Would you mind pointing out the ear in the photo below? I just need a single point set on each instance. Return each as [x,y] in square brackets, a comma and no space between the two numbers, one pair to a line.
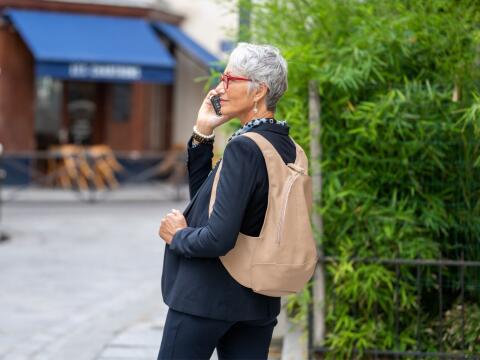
[260,92]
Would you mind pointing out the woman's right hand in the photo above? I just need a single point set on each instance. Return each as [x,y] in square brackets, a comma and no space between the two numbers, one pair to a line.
[207,120]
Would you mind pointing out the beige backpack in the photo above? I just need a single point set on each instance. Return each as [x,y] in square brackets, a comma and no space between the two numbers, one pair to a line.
[282,259]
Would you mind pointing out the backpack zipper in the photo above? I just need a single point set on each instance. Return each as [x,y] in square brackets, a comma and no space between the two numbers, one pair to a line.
[284,209]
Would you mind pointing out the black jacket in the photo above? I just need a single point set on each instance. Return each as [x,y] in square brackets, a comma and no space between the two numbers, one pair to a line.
[194,280]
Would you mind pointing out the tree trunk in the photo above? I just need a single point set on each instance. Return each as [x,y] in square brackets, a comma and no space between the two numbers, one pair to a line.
[314,119]
[244,10]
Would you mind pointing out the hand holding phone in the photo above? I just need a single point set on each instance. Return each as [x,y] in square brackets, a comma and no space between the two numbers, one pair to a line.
[210,114]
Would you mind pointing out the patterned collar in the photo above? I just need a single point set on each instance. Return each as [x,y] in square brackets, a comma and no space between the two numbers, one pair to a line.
[254,123]
[250,125]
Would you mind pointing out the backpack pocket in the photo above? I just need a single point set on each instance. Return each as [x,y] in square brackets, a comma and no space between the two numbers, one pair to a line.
[281,279]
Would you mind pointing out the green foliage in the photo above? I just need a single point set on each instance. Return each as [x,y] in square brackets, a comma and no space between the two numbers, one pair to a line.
[452,337]
[400,118]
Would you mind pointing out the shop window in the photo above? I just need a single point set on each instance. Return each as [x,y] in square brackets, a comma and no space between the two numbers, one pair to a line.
[47,111]
[121,102]
[82,110]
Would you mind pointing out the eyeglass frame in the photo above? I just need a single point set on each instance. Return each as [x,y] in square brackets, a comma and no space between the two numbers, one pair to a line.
[229,78]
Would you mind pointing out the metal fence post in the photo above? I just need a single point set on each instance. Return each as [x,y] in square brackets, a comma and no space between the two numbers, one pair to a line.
[310,321]
[3,236]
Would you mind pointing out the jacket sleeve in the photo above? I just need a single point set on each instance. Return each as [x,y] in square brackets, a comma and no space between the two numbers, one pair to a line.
[241,161]
[199,165]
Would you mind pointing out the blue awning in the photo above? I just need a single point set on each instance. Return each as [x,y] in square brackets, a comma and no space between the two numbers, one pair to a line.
[91,47]
[189,46]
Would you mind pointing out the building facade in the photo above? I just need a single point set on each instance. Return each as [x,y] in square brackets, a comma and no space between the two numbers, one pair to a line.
[125,75]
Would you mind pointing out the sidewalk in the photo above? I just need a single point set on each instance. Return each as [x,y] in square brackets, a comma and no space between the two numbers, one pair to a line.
[81,281]
[157,192]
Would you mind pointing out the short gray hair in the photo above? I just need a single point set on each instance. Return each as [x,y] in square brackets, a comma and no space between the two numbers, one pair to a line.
[262,64]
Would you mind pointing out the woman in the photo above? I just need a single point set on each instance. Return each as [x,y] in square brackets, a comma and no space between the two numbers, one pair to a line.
[208,309]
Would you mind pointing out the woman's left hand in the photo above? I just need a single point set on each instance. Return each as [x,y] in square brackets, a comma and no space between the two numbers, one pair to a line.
[170,224]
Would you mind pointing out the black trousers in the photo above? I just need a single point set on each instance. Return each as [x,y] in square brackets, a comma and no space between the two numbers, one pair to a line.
[190,337]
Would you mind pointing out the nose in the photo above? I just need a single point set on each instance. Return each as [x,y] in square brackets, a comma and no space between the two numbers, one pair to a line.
[220,89]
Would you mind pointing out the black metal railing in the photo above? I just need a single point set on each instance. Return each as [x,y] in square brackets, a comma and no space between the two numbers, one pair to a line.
[444,277]
[146,167]
[3,235]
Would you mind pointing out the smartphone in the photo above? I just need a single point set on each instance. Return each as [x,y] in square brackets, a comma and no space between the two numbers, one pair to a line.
[215,100]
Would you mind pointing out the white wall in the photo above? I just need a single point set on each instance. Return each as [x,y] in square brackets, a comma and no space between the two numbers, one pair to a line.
[208,22]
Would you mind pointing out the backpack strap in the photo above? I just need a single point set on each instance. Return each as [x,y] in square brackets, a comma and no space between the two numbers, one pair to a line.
[214,188]
[300,164]
[264,145]
[301,161]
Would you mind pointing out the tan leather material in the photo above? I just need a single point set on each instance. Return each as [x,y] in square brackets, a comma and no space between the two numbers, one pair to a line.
[282,259]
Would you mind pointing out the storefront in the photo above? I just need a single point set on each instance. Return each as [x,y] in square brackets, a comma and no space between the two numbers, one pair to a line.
[91,74]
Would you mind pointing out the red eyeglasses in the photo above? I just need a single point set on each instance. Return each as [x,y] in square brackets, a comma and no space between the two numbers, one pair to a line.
[226,78]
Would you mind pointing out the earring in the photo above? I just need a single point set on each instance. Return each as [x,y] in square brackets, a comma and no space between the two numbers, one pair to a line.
[255,110]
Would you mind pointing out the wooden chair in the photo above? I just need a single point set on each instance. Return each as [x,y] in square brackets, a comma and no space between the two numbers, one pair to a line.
[104,164]
[69,166]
